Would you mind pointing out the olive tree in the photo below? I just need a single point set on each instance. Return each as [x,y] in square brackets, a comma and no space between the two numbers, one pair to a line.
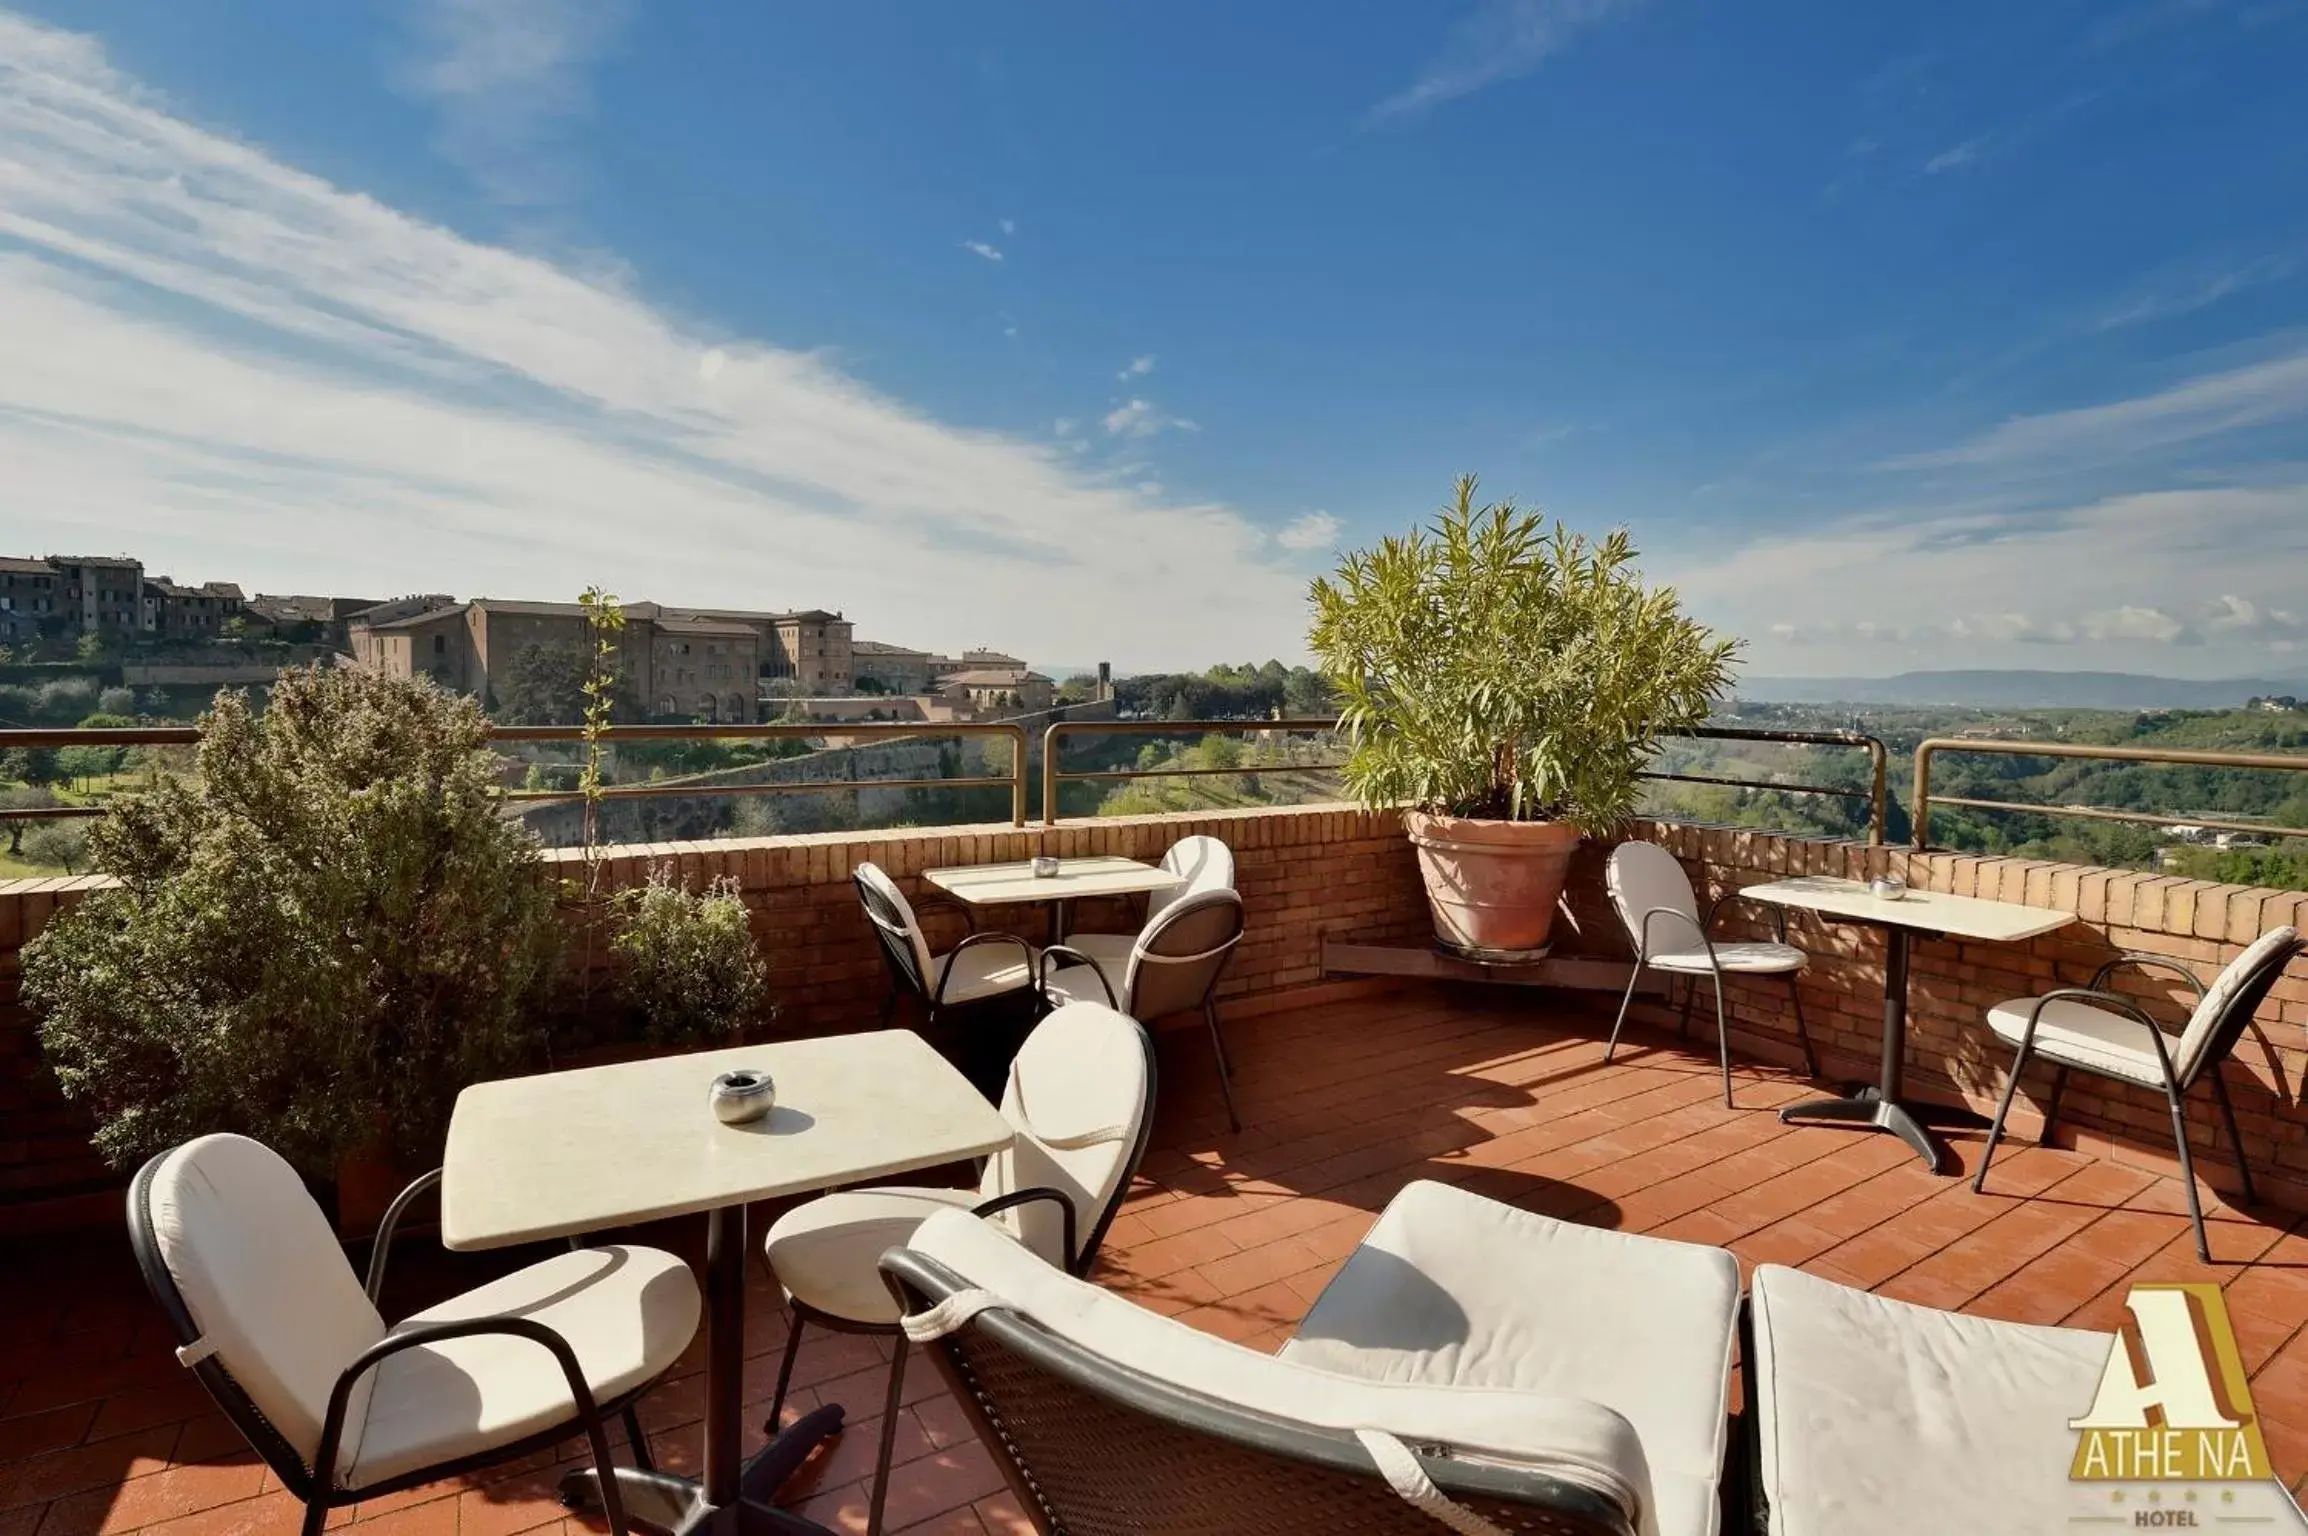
[316,938]
[1496,665]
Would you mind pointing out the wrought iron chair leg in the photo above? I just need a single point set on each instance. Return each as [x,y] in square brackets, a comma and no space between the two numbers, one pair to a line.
[1723,1038]
[784,1374]
[1802,1030]
[1995,1131]
[889,1437]
[2052,1107]
[612,1501]
[639,1441]
[1225,1073]
[2188,1173]
[316,1518]
[2235,1137]
[1634,978]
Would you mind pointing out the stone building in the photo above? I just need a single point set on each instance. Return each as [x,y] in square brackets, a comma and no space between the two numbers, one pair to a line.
[31,601]
[172,611]
[1002,690]
[702,668]
[103,594]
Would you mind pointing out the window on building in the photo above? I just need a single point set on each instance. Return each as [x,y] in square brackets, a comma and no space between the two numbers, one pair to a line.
[440,645]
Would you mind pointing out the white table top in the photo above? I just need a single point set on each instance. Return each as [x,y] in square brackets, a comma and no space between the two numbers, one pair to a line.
[985,885]
[1963,917]
[568,1152]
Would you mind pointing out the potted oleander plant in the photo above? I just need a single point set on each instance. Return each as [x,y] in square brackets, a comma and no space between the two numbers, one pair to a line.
[1503,679]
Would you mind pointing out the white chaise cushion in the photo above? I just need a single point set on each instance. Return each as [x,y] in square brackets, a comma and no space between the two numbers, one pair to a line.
[627,1313]
[1899,1420]
[2084,1036]
[1451,1289]
[1577,1441]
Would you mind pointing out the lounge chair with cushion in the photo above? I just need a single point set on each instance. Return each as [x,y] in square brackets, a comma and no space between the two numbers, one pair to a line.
[1472,1367]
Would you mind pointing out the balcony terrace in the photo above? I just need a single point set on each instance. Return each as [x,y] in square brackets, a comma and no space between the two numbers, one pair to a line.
[1348,1089]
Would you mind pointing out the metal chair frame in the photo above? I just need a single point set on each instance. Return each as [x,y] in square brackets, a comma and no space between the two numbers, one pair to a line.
[1706,925]
[2226,1031]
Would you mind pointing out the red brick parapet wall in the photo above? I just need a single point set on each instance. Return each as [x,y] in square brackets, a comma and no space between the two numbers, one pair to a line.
[1311,871]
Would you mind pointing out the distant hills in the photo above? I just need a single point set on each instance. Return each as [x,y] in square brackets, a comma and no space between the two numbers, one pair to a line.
[2020,690]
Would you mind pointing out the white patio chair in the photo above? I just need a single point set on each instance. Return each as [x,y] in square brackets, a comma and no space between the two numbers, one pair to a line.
[2109,1034]
[1471,1363]
[343,1407]
[1201,864]
[1171,967]
[982,967]
[1660,911]
[1081,1095]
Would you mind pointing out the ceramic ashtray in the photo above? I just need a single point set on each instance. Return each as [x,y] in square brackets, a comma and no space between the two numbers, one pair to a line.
[1045,867]
[1887,887]
[741,1096]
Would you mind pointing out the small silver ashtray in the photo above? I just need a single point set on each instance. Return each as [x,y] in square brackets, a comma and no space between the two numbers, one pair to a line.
[1045,867]
[1887,888]
[742,1096]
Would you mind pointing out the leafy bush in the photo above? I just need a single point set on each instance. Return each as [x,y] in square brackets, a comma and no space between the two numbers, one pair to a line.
[117,701]
[319,937]
[57,845]
[1494,666]
[690,966]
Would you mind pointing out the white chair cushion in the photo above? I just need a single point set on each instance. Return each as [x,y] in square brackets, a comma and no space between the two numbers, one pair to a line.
[1202,863]
[1577,1441]
[1080,984]
[259,1268]
[878,878]
[982,970]
[2197,1038]
[1758,959]
[1900,1420]
[826,1253]
[627,1313]
[1079,1092]
[1111,951]
[1643,876]
[1451,1289]
[2080,1035]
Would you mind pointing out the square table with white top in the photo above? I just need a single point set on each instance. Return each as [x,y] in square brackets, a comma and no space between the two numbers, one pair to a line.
[1901,918]
[564,1153]
[997,885]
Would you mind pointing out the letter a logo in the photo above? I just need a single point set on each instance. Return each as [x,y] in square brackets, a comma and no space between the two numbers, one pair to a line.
[2173,1401]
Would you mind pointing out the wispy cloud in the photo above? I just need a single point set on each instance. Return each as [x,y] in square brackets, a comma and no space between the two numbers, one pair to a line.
[980,248]
[507,77]
[231,366]
[1502,40]
[1143,418]
[2201,407]
[1009,226]
[1955,159]
[1308,531]
[2188,295]
[1137,367]
[2130,575]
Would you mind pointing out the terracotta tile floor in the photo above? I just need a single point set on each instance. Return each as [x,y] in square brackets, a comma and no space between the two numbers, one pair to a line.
[100,1430]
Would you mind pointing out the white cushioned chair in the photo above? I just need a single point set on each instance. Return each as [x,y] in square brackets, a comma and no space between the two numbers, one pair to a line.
[1081,1096]
[2109,1034]
[1655,902]
[344,1406]
[1171,966]
[1405,1404]
[1200,863]
[982,967]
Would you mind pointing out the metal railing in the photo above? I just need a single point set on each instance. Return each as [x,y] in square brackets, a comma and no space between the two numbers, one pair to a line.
[1926,751]
[1053,775]
[875,730]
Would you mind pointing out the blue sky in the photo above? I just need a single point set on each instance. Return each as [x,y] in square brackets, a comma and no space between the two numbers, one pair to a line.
[1960,335]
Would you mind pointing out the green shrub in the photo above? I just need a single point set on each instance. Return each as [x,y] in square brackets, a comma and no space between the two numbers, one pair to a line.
[316,940]
[689,965]
[1493,665]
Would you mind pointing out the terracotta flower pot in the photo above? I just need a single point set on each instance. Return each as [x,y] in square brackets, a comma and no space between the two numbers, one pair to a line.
[1492,885]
